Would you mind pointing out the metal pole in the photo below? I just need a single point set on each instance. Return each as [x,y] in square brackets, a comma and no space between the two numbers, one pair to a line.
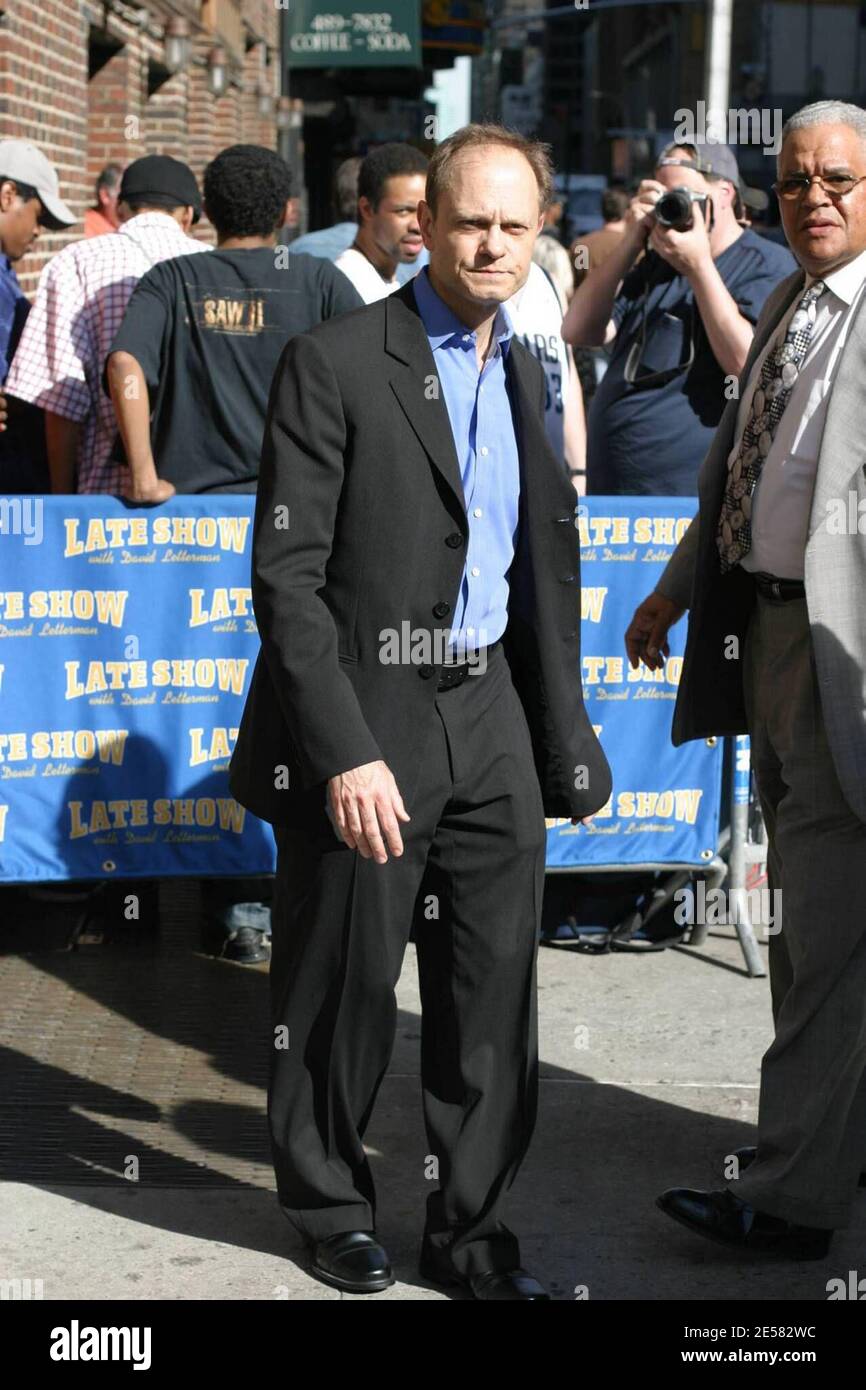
[717,58]
[738,910]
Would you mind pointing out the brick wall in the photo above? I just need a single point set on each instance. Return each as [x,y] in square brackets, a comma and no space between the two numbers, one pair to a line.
[44,99]
[81,122]
[166,119]
[114,107]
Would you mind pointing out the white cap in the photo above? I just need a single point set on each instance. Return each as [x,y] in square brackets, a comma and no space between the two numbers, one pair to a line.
[23,163]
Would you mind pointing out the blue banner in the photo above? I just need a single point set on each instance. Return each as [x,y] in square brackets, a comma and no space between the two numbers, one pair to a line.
[665,803]
[127,643]
[742,769]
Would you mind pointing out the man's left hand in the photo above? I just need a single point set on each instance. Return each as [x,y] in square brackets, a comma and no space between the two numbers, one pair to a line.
[582,820]
[685,251]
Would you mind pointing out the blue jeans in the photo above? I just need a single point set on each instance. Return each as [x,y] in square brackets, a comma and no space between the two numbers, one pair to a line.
[233,903]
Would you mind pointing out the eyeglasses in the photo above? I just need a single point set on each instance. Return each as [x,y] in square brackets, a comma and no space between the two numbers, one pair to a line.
[837,185]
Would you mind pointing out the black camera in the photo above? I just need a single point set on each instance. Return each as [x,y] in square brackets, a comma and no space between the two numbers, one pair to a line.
[674,208]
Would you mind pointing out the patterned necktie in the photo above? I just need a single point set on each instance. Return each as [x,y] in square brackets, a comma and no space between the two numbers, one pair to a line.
[778,377]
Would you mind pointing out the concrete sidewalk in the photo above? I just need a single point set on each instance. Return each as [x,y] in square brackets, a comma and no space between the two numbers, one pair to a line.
[649,1076]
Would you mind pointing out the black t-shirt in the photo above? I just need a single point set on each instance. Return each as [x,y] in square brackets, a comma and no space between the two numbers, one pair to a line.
[208,331]
[653,440]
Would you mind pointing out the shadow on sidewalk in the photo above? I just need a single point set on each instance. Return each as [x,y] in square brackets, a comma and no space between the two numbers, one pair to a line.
[159,1054]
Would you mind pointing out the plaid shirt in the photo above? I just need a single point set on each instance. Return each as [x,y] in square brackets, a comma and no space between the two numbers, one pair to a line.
[82,297]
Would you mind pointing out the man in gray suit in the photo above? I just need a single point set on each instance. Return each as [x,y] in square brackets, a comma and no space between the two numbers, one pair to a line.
[774,572]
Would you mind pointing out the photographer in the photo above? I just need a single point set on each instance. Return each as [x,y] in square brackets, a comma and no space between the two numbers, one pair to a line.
[679,321]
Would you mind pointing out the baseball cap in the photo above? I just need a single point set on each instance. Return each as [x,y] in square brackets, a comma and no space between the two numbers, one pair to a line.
[162,181]
[720,162]
[23,163]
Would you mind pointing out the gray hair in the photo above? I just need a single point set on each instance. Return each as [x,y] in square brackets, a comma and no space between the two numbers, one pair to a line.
[824,113]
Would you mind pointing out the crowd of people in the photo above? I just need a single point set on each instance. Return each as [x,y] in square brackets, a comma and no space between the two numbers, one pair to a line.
[636,336]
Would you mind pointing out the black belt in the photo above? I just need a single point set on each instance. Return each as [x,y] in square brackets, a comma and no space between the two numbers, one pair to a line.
[769,586]
[452,674]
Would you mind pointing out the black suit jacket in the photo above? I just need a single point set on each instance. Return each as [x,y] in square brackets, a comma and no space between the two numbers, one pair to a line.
[360,526]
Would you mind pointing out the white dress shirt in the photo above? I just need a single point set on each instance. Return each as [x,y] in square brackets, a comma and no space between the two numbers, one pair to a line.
[782,500]
[364,276]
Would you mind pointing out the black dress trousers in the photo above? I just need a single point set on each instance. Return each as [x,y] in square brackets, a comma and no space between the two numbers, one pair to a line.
[471,880]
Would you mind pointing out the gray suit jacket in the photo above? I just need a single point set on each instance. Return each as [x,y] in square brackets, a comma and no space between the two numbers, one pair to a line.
[710,698]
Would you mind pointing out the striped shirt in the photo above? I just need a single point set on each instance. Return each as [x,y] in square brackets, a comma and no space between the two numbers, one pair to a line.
[82,297]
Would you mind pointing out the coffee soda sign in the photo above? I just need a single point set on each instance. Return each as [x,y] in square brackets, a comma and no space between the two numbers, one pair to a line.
[346,34]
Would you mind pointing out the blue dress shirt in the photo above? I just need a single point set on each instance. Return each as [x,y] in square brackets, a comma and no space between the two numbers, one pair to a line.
[23,465]
[14,308]
[328,243]
[482,424]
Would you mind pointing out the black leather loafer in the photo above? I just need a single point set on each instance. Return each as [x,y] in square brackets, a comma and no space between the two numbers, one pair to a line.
[499,1285]
[749,1154]
[508,1286]
[353,1261]
[722,1217]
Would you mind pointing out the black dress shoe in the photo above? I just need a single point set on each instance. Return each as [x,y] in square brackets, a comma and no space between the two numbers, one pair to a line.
[353,1261]
[508,1286]
[722,1217]
[242,946]
[750,1153]
[498,1285]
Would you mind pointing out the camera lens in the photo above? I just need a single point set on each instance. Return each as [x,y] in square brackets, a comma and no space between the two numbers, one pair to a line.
[674,209]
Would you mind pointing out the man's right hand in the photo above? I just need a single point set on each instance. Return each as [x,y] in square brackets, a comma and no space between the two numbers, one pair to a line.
[646,635]
[640,214]
[366,806]
[3,411]
[149,491]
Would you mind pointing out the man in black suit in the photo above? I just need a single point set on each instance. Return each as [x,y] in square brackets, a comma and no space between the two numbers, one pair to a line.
[414,713]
